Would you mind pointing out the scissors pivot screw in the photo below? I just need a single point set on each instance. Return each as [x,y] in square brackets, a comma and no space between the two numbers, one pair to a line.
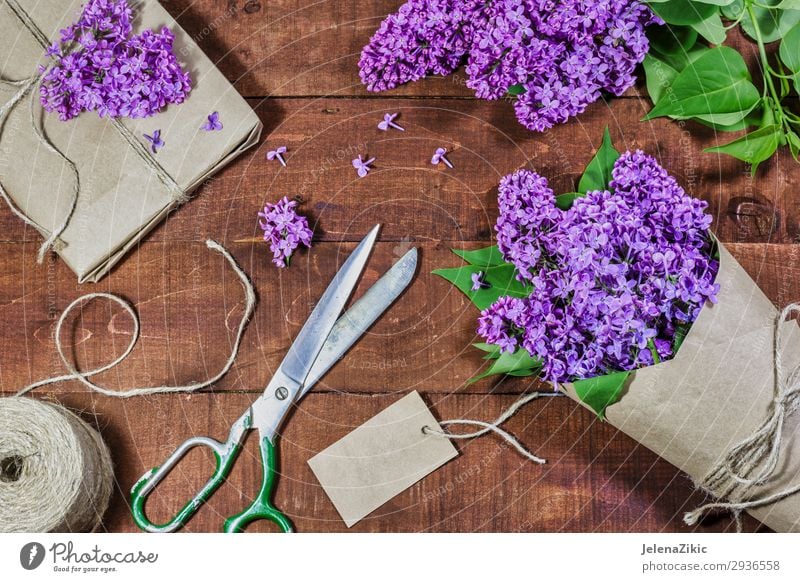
[282,393]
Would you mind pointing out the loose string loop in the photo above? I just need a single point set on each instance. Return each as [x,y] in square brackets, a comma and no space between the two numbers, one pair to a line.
[83,377]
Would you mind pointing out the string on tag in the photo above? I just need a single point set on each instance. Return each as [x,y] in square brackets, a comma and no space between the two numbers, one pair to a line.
[487,427]
[83,377]
[732,477]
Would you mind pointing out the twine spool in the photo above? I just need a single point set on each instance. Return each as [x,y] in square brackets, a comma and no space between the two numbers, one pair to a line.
[55,470]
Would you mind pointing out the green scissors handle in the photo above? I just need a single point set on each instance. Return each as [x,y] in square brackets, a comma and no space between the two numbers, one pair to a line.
[225,455]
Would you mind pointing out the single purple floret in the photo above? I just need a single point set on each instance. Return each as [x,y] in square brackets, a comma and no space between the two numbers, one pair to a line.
[213,123]
[284,229]
[479,281]
[613,279]
[362,166]
[155,140]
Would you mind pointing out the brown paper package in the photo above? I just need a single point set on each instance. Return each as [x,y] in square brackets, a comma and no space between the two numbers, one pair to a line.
[121,198]
[717,390]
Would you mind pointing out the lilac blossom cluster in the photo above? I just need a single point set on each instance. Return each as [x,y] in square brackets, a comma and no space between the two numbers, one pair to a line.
[559,56]
[284,229]
[613,278]
[100,66]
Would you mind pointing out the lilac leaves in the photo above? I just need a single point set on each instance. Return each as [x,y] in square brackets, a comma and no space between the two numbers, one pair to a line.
[100,66]
[556,58]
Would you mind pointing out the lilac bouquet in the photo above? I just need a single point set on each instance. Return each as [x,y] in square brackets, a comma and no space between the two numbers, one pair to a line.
[555,57]
[592,284]
[284,229]
[100,66]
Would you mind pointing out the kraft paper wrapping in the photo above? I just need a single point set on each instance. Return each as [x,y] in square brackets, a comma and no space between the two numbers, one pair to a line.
[121,197]
[717,390]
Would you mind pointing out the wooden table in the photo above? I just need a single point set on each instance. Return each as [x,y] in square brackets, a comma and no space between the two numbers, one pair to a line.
[296,62]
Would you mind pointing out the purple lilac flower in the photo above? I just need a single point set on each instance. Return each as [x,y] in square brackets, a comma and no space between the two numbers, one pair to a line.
[388,121]
[213,123]
[613,277]
[277,154]
[440,155]
[424,37]
[479,281]
[561,55]
[99,66]
[362,166]
[155,140]
[284,229]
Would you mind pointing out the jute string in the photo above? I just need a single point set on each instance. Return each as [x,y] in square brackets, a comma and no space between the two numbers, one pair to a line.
[55,470]
[83,377]
[24,87]
[735,476]
[494,427]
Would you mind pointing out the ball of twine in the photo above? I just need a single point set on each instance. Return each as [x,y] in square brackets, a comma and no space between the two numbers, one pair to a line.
[55,470]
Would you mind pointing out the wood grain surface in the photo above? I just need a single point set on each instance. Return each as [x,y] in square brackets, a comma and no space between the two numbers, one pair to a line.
[296,62]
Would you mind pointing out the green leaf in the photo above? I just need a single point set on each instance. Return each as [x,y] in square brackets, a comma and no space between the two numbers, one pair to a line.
[502,281]
[715,2]
[513,364]
[754,147]
[598,173]
[671,39]
[752,119]
[715,85]
[773,22]
[601,392]
[790,49]
[789,5]
[515,90]
[658,76]
[564,201]
[486,257]
[683,11]
[794,144]
[711,29]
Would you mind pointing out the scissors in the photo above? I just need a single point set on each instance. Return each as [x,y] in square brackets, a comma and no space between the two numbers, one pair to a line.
[323,340]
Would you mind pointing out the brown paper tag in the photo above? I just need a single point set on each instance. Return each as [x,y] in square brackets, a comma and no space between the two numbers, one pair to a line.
[382,457]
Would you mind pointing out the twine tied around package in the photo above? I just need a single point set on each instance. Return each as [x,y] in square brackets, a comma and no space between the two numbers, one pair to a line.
[30,86]
[734,477]
[55,470]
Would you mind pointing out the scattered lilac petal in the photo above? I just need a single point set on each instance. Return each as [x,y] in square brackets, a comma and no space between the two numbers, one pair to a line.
[362,166]
[388,121]
[439,156]
[479,281]
[155,140]
[277,154]
[213,123]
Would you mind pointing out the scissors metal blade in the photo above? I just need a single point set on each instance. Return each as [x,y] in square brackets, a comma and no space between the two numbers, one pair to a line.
[352,325]
[306,347]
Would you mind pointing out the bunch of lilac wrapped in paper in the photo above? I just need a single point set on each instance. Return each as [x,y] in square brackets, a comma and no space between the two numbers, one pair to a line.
[100,67]
[558,57]
[614,277]
[284,230]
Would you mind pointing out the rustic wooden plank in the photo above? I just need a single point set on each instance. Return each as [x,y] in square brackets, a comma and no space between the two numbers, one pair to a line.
[418,201]
[190,304]
[596,479]
[287,48]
